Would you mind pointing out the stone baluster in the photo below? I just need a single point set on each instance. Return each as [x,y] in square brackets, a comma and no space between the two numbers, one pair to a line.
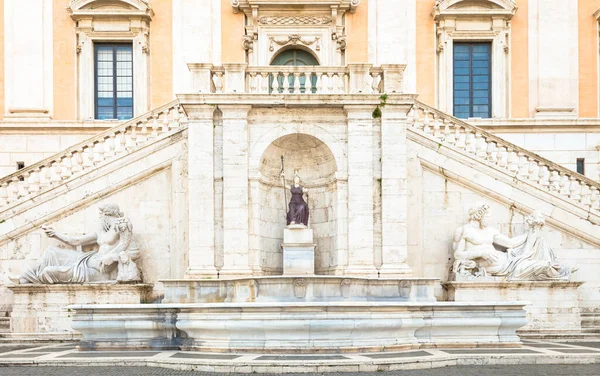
[34,181]
[533,170]
[295,88]
[564,185]
[77,162]
[154,133]
[594,199]
[426,123]
[329,82]
[417,120]
[575,189]
[523,170]
[45,182]
[586,195]
[480,146]
[319,83]
[437,128]
[23,187]
[492,152]
[286,83]
[87,157]
[554,181]
[276,87]
[449,135]
[342,83]
[375,82]
[502,157]
[218,82]
[65,172]
[264,83]
[470,142]
[55,174]
[13,190]
[461,137]
[165,122]
[143,135]
[98,153]
[513,162]
[120,144]
[108,147]
[544,176]
[4,194]
[252,82]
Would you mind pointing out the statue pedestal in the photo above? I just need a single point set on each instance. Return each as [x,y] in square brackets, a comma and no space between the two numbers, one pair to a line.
[298,250]
[552,309]
[40,311]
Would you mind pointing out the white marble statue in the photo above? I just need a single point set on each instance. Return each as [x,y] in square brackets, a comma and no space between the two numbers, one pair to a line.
[527,257]
[72,265]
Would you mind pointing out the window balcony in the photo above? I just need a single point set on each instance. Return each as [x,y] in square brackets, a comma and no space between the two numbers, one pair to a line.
[299,80]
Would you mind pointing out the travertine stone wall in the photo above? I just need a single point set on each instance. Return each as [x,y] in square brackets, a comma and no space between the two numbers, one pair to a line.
[439,206]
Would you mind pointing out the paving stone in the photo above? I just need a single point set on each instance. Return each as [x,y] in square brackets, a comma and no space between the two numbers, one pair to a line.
[106,354]
[5,349]
[21,355]
[491,351]
[301,357]
[546,345]
[583,344]
[577,351]
[398,355]
[187,355]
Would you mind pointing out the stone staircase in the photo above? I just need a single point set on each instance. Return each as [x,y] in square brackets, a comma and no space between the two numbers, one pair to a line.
[28,183]
[4,322]
[590,323]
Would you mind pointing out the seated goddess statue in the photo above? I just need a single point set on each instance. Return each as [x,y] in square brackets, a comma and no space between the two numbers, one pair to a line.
[64,265]
[298,208]
[527,256]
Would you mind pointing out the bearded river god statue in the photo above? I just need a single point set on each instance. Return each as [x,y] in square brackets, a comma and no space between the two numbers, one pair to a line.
[527,256]
[68,265]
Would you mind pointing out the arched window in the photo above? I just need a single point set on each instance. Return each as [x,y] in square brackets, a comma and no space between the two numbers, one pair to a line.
[295,57]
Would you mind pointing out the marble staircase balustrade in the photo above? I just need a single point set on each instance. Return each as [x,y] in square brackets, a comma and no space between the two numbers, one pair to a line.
[522,164]
[89,154]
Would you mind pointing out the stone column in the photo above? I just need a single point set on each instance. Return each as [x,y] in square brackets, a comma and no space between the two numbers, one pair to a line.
[201,192]
[394,192]
[235,191]
[360,190]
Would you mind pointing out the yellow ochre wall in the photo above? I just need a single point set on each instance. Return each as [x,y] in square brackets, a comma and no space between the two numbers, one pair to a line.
[64,62]
[519,62]
[1,59]
[588,58]
[161,53]
[425,52]
[232,30]
[357,30]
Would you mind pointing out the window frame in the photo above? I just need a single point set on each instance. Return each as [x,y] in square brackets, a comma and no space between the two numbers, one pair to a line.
[471,82]
[114,46]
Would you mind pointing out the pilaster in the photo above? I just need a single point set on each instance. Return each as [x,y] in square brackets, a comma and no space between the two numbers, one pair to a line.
[235,191]
[394,192]
[360,190]
[201,258]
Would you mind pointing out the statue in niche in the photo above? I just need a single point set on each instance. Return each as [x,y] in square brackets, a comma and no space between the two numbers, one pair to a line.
[68,265]
[527,256]
[298,208]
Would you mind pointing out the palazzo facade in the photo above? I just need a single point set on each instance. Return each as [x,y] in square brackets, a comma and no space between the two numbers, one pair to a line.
[397,114]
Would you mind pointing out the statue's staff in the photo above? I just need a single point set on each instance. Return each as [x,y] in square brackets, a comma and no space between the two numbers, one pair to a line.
[284,191]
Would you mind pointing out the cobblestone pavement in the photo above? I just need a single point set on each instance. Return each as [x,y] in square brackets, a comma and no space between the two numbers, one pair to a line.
[513,370]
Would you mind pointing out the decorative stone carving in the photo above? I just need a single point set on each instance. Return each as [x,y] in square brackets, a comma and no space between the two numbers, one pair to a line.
[527,256]
[294,39]
[341,43]
[294,20]
[73,265]
[248,43]
[345,287]
[299,288]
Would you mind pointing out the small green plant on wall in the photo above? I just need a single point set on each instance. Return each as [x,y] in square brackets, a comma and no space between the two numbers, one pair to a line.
[377,111]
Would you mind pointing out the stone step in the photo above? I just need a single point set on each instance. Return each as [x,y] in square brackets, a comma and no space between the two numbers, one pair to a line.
[590,321]
[4,324]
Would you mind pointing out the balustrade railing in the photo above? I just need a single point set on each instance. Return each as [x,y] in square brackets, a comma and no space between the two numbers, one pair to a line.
[524,164]
[281,79]
[89,154]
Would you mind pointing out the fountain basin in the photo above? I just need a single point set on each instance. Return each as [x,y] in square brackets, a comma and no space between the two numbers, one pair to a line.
[299,289]
[299,327]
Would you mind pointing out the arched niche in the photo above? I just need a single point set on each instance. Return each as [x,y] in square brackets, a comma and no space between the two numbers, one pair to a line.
[317,168]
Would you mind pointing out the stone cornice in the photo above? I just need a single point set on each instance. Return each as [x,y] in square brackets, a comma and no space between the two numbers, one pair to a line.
[79,9]
[247,5]
[492,8]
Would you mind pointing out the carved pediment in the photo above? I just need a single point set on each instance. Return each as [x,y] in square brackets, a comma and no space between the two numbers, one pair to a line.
[86,8]
[458,8]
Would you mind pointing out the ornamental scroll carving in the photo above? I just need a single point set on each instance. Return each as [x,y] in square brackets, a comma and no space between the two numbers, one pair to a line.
[294,20]
[294,39]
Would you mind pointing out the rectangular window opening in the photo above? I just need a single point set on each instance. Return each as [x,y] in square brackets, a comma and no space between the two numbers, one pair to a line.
[472,80]
[113,81]
[20,166]
[581,166]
